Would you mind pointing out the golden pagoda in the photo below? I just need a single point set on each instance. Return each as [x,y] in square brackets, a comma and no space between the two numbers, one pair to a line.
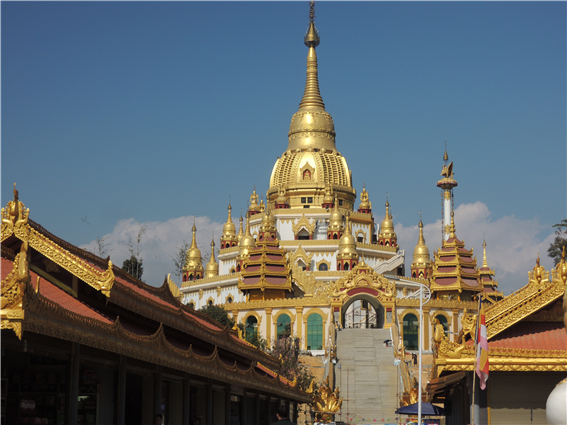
[311,161]
[421,265]
[454,270]
[265,273]
[335,229]
[240,234]
[387,236]
[228,238]
[193,268]
[246,243]
[347,257]
[212,267]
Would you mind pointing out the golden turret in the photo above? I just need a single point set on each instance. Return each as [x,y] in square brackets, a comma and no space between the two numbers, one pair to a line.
[347,257]
[254,207]
[387,236]
[228,238]
[421,265]
[311,160]
[193,268]
[365,206]
[246,244]
[335,229]
[240,231]
[212,267]
[262,206]
[486,277]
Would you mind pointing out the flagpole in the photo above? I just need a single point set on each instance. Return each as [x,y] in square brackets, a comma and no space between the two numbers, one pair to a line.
[476,337]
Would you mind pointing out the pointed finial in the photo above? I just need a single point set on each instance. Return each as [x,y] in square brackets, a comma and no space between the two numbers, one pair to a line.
[445,156]
[452,228]
[484,262]
[364,185]
[420,222]
[194,227]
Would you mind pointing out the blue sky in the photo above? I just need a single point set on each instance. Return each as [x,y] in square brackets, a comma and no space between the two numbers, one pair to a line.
[152,112]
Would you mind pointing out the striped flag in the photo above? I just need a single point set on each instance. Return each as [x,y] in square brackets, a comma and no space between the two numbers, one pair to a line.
[482,350]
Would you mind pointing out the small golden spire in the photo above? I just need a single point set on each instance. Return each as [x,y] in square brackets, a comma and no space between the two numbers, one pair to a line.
[240,231]
[212,267]
[484,262]
[452,228]
[445,156]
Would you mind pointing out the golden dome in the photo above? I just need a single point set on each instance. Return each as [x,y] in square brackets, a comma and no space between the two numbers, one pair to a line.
[311,160]
[240,232]
[212,267]
[247,240]
[421,252]
[228,229]
[193,256]
[347,243]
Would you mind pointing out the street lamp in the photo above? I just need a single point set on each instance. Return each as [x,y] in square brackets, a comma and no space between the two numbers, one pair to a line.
[424,295]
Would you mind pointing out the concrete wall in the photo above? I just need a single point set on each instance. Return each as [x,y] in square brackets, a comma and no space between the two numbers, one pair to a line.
[520,397]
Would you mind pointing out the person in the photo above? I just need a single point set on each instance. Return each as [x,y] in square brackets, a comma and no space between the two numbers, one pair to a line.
[283,417]
[158,419]
[414,358]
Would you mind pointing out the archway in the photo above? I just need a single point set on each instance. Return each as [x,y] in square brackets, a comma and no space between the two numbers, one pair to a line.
[363,311]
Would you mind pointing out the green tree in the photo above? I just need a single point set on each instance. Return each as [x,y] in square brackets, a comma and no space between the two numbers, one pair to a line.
[287,347]
[134,267]
[179,258]
[560,241]
[218,313]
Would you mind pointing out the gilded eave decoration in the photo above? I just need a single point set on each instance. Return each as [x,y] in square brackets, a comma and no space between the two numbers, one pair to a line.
[15,221]
[13,290]
[538,293]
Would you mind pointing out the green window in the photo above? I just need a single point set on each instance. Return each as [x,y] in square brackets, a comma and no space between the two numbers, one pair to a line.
[411,332]
[443,320]
[314,332]
[284,325]
[251,329]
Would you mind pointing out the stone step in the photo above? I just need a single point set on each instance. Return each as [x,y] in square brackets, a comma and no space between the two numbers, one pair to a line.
[368,377]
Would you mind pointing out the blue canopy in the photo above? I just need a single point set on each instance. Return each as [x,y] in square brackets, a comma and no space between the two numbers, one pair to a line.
[427,409]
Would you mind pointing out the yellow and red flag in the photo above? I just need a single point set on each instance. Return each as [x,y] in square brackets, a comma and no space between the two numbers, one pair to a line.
[482,350]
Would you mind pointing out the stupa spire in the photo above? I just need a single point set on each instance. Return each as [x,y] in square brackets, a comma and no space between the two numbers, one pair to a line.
[312,96]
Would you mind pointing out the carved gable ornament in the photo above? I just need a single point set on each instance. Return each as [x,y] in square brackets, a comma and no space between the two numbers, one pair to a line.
[303,223]
[307,172]
[363,278]
[301,254]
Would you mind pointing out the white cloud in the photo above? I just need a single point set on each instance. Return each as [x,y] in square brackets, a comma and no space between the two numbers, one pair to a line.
[512,244]
[159,243]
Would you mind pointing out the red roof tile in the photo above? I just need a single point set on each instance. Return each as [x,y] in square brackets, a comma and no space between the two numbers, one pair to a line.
[532,336]
[66,301]
[7,267]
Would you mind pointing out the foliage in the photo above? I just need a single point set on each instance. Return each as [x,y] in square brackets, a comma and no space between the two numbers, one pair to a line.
[287,347]
[560,241]
[102,244]
[134,267]
[180,257]
[218,313]
[258,341]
